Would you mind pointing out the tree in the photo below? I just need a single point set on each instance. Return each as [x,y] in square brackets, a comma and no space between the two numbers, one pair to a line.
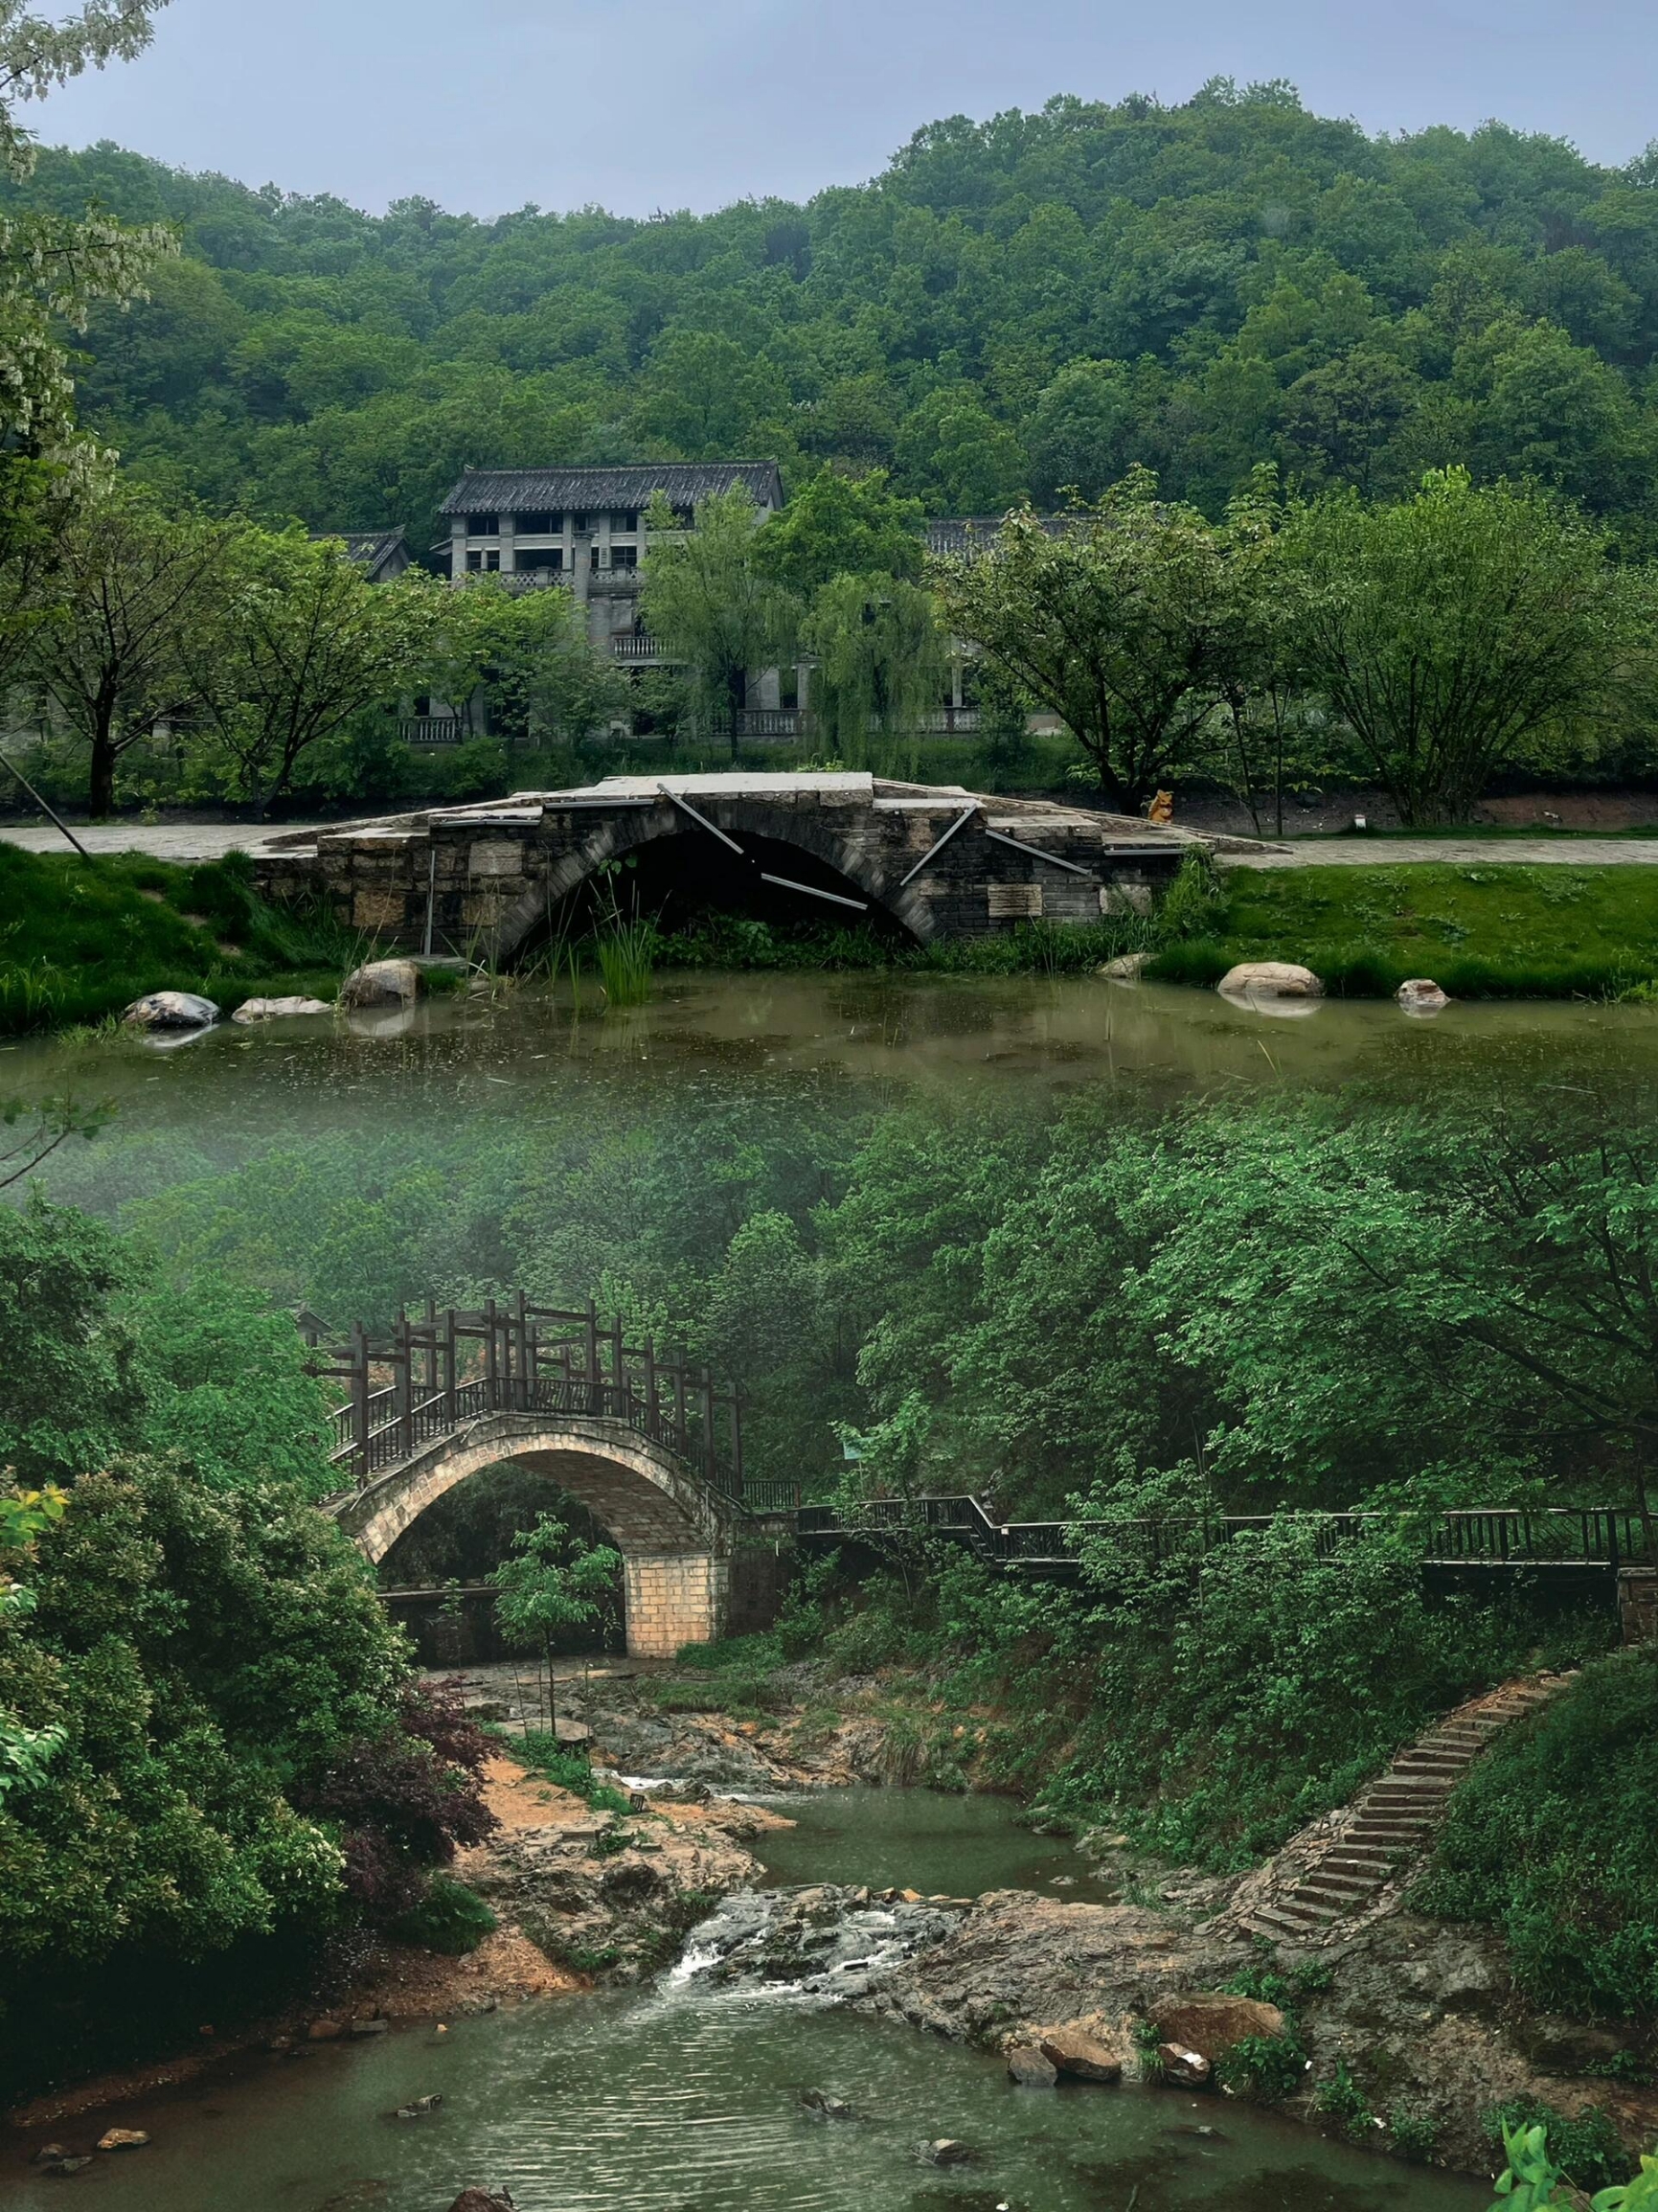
[302,642]
[1111,621]
[553,1582]
[709,597]
[124,649]
[879,658]
[1456,629]
[959,457]
[841,525]
[531,653]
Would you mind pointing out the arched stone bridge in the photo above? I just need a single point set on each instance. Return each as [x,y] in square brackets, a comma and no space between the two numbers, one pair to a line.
[647,1443]
[928,861]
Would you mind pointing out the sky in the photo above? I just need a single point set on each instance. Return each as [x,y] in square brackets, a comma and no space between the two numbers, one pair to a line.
[484,105]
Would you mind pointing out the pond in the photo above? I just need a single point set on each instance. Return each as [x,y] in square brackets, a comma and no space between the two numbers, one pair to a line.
[943,1846]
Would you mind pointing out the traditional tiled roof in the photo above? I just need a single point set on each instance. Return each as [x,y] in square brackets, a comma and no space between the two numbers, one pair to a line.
[961,537]
[381,553]
[584,491]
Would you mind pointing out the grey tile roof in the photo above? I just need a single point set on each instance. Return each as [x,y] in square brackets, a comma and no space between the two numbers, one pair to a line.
[553,491]
[966,534]
[380,552]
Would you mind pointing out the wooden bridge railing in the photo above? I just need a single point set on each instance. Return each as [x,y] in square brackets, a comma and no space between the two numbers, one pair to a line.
[426,1377]
[1556,1536]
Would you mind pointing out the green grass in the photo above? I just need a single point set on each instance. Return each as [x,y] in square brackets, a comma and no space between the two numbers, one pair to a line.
[1481,930]
[79,940]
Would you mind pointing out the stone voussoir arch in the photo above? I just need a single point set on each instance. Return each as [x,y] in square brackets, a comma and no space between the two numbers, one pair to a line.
[620,834]
[675,1534]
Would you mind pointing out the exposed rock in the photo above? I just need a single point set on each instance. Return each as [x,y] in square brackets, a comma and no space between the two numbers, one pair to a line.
[1190,2069]
[172,1010]
[122,2139]
[371,2027]
[383,983]
[1030,2067]
[417,2106]
[49,2152]
[945,2150]
[823,2107]
[325,2031]
[1126,967]
[67,2166]
[254,1010]
[1212,2023]
[1569,2046]
[1422,995]
[1270,979]
[1077,2049]
[483,2200]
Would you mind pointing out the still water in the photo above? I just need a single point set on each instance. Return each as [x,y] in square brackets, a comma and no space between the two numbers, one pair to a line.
[923,1839]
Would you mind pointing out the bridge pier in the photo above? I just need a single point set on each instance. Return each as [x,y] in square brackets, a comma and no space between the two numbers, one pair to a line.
[681,1598]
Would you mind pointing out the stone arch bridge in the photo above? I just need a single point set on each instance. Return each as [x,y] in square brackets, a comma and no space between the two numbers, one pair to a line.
[649,1444]
[927,860]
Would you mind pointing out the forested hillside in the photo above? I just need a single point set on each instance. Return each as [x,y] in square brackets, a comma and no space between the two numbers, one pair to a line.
[1019,305]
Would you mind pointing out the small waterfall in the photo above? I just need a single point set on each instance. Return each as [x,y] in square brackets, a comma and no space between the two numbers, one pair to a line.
[824,1944]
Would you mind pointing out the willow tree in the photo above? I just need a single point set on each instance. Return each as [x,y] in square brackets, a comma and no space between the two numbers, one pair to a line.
[879,658]
[1456,632]
[1113,620]
[710,597]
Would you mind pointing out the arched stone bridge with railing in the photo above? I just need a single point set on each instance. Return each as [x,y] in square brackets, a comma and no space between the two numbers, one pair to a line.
[651,1444]
[927,860]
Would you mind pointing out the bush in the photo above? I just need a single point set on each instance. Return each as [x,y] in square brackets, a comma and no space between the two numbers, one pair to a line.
[1550,1840]
[449,1918]
[1265,2067]
[543,1755]
[1588,2151]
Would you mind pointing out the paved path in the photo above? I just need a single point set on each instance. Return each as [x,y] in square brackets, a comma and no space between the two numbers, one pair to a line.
[211,840]
[1451,852]
[155,840]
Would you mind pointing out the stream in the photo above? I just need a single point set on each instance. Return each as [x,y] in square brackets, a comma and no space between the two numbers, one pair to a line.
[688,2095]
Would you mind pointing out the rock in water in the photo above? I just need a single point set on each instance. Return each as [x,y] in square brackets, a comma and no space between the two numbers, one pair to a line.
[1270,979]
[122,2139]
[1190,2068]
[383,983]
[252,1010]
[1031,2068]
[1077,2049]
[172,1010]
[415,2106]
[945,2150]
[823,2107]
[483,2200]
[1422,995]
[1126,967]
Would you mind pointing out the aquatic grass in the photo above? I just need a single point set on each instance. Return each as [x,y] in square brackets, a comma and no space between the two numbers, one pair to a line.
[625,951]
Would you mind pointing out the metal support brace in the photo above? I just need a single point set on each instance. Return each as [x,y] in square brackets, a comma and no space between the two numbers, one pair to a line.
[686,808]
[1036,853]
[788,883]
[960,823]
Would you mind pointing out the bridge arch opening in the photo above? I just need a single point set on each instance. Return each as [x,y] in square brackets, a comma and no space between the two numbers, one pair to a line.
[688,878]
[675,1536]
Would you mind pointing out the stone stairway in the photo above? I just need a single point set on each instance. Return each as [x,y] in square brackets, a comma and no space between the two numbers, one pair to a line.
[1383,1834]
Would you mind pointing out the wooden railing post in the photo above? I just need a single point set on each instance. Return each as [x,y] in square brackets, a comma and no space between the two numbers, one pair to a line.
[451,1380]
[492,1354]
[521,1353]
[710,1456]
[403,1374]
[360,1399]
[592,1350]
[619,1367]
[737,1438]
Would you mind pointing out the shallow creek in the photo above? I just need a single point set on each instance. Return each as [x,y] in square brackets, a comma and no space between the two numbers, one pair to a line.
[687,2096]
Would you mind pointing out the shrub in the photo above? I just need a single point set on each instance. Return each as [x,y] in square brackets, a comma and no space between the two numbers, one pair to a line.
[1587,2150]
[1265,2067]
[1550,1840]
[449,1918]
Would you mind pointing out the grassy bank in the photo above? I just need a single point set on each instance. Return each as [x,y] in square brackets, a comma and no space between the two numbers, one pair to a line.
[80,939]
[1481,930]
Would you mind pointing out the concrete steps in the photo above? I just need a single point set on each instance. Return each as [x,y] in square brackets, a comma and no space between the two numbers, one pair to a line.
[1393,1822]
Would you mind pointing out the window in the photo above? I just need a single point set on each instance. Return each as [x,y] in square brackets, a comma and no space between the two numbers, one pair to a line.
[624,522]
[579,524]
[539,525]
[474,562]
[624,557]
[492,560]
[548,558]
[483,525]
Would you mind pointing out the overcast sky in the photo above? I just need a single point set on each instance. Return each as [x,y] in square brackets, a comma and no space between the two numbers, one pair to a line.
[486,105]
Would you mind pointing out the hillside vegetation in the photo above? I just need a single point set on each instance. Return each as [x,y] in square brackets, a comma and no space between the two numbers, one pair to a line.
[1026,303]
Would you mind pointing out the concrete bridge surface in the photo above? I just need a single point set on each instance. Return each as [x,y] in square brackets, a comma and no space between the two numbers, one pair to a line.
[928,861]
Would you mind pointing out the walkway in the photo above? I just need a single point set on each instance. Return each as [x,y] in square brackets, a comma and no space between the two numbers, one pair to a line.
[1356,1864]
[178,841]
[1447,853]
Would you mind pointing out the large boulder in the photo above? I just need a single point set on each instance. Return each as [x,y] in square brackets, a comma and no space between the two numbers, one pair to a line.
[1076,2048]
[252,1010]
[172,1010]
[1128,967]
[1422,995]
[1215,2023]
[383,983]
[1270,979]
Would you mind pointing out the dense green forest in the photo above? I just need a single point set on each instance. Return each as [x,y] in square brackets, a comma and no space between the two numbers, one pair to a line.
[1022,305]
